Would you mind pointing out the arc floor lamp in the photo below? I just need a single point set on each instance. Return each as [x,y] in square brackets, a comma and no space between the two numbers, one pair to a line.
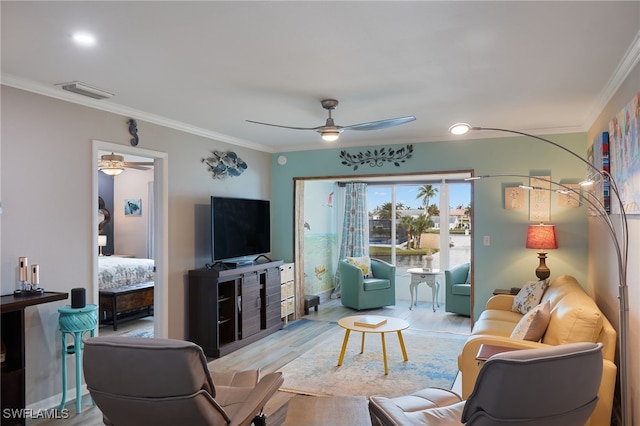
[619,237]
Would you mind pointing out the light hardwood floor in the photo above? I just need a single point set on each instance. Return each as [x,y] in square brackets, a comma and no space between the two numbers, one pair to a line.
[128,327]
[274,351]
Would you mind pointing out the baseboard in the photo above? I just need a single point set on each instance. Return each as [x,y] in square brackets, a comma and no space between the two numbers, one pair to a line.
[325,295]
[53,402]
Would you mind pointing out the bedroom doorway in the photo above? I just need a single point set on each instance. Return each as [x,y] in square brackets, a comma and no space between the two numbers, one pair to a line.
[142,237]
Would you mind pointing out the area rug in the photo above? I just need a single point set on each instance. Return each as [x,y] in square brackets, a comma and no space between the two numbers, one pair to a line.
[432,362]
[141,333]
[145,330]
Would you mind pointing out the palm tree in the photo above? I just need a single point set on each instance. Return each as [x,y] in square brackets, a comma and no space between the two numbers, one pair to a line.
[384,211]
[407,223]
[426,192]
[421,224]
[433,210]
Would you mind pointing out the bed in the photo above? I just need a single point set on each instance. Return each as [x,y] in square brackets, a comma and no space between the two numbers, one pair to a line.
[125,288]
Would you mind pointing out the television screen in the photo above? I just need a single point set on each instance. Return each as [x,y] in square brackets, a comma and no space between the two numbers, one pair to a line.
[239,227]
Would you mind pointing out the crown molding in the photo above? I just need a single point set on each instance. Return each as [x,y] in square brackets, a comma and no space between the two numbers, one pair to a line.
[108,106]
[624,68]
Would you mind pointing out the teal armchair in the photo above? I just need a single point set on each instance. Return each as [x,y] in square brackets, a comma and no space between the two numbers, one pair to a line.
[458,290]
[368,293]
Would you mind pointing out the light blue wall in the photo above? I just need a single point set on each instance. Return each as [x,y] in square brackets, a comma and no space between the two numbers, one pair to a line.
[506,262]
[320,237]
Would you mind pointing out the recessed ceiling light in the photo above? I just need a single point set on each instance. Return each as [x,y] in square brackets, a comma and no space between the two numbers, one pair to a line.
[84,39]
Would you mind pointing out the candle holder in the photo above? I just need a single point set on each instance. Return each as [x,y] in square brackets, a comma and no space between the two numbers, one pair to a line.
[26,288]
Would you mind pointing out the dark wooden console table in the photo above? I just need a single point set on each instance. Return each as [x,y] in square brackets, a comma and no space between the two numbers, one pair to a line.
[13,372]
[230,308]
[126,302]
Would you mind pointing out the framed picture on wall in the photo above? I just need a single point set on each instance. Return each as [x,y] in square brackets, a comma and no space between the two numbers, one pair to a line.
[624,136]
[540,199]
[513,198]
[571,199]
[132,207]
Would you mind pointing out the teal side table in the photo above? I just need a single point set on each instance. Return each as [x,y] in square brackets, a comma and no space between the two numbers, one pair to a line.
[75,321]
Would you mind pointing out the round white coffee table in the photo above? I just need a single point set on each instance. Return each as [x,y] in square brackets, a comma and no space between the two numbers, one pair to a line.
[419,275]
[391,325]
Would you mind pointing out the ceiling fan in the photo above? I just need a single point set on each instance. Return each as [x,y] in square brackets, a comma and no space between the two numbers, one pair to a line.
[330,132]
[114,164]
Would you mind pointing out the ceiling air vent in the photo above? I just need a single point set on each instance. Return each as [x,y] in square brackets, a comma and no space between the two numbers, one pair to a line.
[85,90]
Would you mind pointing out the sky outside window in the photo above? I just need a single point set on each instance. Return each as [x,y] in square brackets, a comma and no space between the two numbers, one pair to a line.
[459,194]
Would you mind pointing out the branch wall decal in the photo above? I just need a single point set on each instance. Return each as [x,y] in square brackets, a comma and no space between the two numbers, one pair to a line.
[378,157]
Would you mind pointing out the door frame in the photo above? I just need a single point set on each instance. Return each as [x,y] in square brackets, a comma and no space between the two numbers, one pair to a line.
[161,228]
[436,177]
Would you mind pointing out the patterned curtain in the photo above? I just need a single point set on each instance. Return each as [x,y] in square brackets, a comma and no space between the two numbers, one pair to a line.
[355,227]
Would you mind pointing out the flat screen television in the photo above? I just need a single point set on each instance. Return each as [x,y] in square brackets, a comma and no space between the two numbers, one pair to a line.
[239,228]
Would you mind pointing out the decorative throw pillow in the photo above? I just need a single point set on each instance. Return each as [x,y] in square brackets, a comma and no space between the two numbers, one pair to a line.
[533,324]
[529,296]
[362,262]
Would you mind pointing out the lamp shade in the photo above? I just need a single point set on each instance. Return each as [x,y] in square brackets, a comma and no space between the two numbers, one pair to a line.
[542,237]
[430,241]
[102,240]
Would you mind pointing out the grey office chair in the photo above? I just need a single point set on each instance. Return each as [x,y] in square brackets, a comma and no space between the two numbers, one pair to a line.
[554,386]
[141,381]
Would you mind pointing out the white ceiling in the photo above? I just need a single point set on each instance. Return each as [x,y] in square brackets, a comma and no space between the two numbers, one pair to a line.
[207,66]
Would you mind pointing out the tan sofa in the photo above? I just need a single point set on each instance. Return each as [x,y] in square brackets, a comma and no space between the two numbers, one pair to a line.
[575,317]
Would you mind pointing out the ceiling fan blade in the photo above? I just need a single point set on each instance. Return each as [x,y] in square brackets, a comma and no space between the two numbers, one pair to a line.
[137,166]
[380,124]
[284,127]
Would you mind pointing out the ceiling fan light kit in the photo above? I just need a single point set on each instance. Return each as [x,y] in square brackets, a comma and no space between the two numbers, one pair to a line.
[114,164]
[330,135]
[330,132]
[111,171]
[111,164]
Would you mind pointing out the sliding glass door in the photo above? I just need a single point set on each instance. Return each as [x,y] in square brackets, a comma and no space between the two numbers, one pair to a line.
[403,217]
[401,209]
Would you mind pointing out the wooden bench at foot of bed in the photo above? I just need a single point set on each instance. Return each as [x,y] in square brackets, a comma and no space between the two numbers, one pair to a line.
[117,302]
